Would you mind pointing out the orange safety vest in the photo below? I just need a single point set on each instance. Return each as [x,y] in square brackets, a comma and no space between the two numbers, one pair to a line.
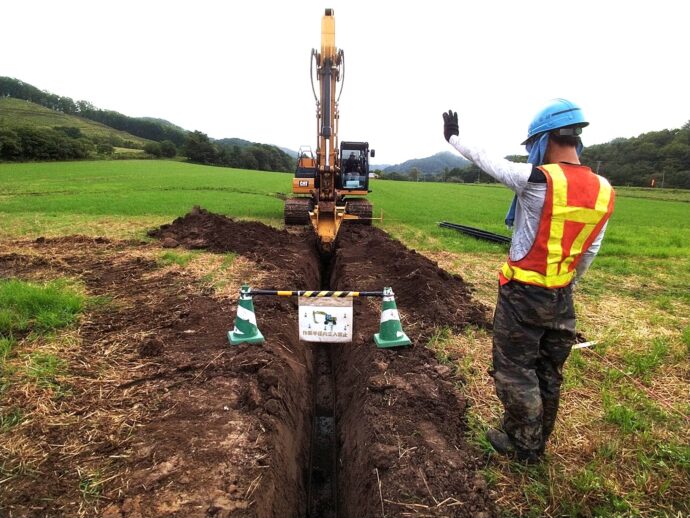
[577,205]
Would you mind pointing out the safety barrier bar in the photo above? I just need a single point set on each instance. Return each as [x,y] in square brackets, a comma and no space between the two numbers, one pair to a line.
[285,293]
[246,329]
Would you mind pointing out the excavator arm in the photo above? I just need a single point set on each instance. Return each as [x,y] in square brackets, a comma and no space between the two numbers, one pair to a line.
[326,217]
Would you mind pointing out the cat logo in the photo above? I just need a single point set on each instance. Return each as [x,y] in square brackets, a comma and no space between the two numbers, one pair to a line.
[304,183]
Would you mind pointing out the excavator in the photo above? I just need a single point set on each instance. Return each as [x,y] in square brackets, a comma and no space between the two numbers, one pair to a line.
[330,184]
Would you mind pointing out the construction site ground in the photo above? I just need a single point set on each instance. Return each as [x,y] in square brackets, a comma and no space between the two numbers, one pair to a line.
[155,414]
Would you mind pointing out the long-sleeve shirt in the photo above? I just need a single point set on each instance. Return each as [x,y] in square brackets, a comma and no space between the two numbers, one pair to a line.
[529,184]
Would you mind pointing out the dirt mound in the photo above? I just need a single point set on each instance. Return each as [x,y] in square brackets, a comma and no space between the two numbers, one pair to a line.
[431,297]
[194,427]
[274,250]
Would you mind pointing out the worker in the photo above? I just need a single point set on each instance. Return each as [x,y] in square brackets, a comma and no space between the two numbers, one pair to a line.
[352,169]
[560,218]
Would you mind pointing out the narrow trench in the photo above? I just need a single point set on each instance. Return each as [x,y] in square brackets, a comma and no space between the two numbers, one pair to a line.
[322,498]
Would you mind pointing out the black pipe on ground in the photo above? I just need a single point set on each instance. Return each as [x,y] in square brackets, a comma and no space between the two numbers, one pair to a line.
[477,233]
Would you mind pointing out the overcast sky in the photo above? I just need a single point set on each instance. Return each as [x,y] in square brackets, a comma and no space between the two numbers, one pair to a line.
[241,69]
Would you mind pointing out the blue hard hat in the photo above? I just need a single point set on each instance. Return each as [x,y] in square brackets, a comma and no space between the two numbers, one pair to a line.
[559,113]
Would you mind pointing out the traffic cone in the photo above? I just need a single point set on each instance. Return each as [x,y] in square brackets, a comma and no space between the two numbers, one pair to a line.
[245,330]
[390,332]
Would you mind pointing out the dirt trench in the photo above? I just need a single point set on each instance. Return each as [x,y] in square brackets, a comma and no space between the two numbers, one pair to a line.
[216,430]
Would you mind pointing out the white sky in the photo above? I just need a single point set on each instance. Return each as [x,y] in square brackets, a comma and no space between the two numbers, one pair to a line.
[241,69]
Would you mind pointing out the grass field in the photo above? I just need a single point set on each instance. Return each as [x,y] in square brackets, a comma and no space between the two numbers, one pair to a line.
[621,445]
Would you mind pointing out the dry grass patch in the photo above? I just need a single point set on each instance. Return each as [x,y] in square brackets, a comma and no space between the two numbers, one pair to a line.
[478,270]
[219,274]
[61,392]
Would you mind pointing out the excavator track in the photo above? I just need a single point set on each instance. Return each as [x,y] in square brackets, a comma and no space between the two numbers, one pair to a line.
[359,207]
[296,211]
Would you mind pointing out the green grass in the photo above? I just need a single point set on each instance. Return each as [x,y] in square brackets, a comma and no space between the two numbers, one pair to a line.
[655,194]
[45,368]
[90,484]
[37,199]
[18,112]
[6,345]
[32,309]
[438,343]
[642,364]
[178,258]
[9,417]
[686,338]
[76,197]
[39,308]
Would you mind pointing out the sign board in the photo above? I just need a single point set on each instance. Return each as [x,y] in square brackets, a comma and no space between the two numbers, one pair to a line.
[325,319]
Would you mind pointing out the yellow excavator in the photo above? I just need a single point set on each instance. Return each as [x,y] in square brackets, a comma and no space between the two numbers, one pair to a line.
[330,185]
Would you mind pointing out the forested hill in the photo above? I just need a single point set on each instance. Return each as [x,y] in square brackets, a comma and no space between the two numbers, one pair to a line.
[146,128]
[39,125]
[661,157]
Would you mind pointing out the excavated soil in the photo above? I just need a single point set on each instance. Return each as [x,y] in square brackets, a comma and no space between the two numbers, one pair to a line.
[192,426]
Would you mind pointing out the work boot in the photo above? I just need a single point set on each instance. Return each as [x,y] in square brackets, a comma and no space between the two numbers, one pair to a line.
[500,442]
[503,445]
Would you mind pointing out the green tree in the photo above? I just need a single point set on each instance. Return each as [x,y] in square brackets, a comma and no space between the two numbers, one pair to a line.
[153,148]
[168,149]
[104,149]
[10,145]
[70,131]
[199,149]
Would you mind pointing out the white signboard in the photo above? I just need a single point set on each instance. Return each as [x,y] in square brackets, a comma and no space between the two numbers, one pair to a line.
[325,319]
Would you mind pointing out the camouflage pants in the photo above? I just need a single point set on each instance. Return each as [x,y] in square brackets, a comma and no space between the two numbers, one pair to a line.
[534,330]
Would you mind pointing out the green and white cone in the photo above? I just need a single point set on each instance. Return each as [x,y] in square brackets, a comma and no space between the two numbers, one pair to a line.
[245,330]
[390,332]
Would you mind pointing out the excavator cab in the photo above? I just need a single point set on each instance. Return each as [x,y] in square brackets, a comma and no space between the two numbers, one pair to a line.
[354,167]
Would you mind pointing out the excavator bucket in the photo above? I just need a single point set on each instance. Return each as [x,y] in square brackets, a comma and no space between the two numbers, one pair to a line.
[326,219]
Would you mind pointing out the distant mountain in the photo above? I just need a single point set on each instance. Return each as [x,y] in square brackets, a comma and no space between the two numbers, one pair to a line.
[290,152]
[433,165]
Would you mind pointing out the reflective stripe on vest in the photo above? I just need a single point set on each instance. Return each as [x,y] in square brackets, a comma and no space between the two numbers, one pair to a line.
[565,231]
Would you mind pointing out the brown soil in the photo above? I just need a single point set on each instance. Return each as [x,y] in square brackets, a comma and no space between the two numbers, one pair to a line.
[179,423]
